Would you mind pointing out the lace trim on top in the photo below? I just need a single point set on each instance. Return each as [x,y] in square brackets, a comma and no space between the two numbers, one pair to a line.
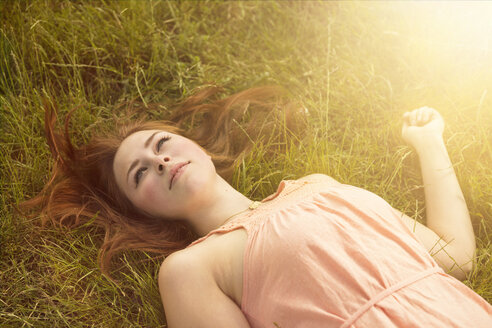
[285,188]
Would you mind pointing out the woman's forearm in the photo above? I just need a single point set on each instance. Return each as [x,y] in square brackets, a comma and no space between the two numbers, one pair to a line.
[447,213]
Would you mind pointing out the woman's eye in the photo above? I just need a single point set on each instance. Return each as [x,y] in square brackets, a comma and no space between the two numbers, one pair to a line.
[138,175]
[161,141]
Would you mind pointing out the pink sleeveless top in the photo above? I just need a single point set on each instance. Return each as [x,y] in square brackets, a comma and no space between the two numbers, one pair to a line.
[324,255]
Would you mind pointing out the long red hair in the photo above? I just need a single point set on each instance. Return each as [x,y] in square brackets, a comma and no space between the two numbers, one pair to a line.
[82,188]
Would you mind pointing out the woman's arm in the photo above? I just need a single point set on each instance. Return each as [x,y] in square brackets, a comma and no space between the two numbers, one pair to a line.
[447,213]
[192,298]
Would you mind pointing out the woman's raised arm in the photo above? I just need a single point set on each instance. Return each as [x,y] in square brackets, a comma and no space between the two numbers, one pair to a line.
[446,210]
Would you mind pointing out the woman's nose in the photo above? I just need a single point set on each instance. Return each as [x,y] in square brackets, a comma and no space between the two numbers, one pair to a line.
[161,163]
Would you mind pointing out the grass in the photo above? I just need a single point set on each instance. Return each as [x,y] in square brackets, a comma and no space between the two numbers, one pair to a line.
[356,67]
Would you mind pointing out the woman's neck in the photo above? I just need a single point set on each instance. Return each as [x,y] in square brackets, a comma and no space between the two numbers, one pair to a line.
[222,205]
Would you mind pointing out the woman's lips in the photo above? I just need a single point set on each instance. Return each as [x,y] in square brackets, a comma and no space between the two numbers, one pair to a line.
[176,171]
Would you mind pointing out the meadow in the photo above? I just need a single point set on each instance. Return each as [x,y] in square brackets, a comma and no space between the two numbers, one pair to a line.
[355,67]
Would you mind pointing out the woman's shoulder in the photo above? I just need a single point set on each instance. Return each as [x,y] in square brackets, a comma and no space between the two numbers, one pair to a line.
[319,177]
[194,251]
[205,253]
[193,260]
[220,256]
[308,182]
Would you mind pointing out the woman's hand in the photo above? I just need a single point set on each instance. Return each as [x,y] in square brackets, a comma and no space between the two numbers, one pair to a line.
[422,126]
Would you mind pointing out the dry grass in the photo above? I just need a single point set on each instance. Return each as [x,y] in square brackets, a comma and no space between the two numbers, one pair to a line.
[355,66]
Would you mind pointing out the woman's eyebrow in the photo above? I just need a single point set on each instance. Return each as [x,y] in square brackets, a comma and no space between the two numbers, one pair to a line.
[135,162]
[146,144]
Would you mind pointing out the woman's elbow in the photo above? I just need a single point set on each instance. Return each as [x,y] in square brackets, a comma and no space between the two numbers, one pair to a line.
[463,267]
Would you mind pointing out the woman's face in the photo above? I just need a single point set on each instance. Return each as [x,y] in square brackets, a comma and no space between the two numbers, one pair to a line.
[163,174]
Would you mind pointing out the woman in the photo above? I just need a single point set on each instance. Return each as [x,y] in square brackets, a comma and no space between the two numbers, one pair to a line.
[317,253]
